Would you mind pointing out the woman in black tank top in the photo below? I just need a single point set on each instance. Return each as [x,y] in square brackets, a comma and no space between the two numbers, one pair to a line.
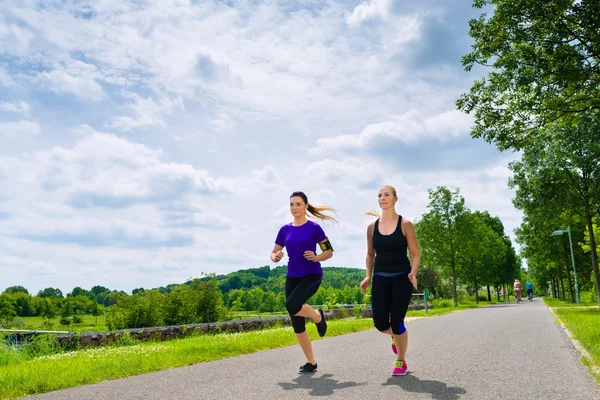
[391,273]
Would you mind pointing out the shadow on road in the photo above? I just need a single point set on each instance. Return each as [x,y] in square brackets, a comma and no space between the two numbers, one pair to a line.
[501,305]
[321,385]
[438,390]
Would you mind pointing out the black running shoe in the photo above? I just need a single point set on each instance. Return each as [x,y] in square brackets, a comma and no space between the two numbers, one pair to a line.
[322,326]
[307,368]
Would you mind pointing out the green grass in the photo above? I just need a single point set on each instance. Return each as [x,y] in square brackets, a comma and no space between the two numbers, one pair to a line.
[21,375]
[584,324]
[557,303]
[88,324]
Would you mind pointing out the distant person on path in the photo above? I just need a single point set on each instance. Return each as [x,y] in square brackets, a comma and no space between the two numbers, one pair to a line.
[529,287]
[388,266]
[304,272]
[517,287]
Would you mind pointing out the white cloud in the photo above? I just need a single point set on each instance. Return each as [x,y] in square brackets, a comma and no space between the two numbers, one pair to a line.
[5,79]
[78,79]
[214,106]
[20,107]
[147,112]
[409,127]
[369,10]
[20,129]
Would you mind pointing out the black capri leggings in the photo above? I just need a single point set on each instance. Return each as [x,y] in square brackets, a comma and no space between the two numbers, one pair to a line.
[390,296]
[297,292]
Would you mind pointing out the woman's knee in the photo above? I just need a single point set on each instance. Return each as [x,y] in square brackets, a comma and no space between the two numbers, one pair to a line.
[293,307]
[399,328]
[381,325]
[299,325]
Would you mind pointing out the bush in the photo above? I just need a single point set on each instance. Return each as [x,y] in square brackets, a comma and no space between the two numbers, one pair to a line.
[358,309]
[65,321]
[445,303]
[77,319]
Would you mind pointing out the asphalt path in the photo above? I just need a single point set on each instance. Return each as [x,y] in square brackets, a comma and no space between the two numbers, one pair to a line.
[506,351]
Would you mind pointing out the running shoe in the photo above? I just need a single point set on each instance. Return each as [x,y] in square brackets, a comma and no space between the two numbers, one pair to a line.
[307,368]
[322,326]
[400,368]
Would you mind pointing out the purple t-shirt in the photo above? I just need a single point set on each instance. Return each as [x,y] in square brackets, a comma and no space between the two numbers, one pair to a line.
[297,240]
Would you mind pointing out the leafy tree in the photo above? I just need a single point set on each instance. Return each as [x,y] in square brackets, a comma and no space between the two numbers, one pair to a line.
[97,310]
[99,289]
[8,307]
[485,249]
[441,232]
[562,175]
[48,309]
[544,56]
[51,293]
[16,289]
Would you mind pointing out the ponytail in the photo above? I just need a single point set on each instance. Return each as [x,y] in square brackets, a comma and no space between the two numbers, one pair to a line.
[316,211]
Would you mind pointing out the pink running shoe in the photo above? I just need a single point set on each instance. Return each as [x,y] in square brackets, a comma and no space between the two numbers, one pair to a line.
[399,368]
[394,349]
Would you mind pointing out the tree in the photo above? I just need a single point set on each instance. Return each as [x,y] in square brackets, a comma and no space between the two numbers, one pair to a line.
[485,249]
[562,175]
[545,57]
[51,293]
[441,232]
[16,289]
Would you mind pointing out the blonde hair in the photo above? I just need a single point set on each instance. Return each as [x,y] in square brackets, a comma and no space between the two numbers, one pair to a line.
[316,211]
[374,213]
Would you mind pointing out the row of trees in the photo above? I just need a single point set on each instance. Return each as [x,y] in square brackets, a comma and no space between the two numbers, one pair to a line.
[465,246]
[542,98]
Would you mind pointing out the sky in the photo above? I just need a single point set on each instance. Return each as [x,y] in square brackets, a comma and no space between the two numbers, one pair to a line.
[147,142]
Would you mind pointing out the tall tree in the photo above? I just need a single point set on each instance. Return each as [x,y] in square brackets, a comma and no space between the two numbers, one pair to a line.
[545,57]
[16,289]
[562,174]
[442,232]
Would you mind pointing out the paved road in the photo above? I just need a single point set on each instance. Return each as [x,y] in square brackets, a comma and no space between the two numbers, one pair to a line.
[500,352]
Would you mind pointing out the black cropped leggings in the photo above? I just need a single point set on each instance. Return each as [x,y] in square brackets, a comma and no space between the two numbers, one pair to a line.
[390,297]
[297,293]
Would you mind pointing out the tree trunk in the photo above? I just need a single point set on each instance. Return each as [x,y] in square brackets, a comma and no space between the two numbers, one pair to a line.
[562,289]
[489,293]
[505,290]
[476,293]
[454,284]
[571,297]
[594,255]
[553,289]
[498,292]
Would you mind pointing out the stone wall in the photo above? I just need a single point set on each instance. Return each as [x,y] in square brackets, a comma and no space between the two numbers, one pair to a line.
[160,333]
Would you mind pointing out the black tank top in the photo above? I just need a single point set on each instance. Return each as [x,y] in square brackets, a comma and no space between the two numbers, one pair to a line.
[390,250]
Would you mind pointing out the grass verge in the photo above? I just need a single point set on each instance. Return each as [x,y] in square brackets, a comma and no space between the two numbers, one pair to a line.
[581,320]
[557,303]
[583,325]
[20,376]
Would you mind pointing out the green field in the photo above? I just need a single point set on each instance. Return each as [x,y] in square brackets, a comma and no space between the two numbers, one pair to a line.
[23,373]
[88,325]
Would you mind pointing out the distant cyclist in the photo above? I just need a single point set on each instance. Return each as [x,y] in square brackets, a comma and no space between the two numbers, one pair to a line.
[517,287]
[529,287]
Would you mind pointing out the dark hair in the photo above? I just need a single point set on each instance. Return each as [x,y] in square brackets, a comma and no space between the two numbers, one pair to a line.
[315,211]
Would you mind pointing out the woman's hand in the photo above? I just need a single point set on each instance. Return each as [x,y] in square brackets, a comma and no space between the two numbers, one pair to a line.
[365,284]
[277,256]
[413,279]
[310,256]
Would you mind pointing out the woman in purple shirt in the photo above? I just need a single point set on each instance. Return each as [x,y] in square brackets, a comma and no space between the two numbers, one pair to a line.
[304,272]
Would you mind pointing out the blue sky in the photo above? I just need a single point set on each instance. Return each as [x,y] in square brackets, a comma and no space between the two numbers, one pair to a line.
[144,143]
